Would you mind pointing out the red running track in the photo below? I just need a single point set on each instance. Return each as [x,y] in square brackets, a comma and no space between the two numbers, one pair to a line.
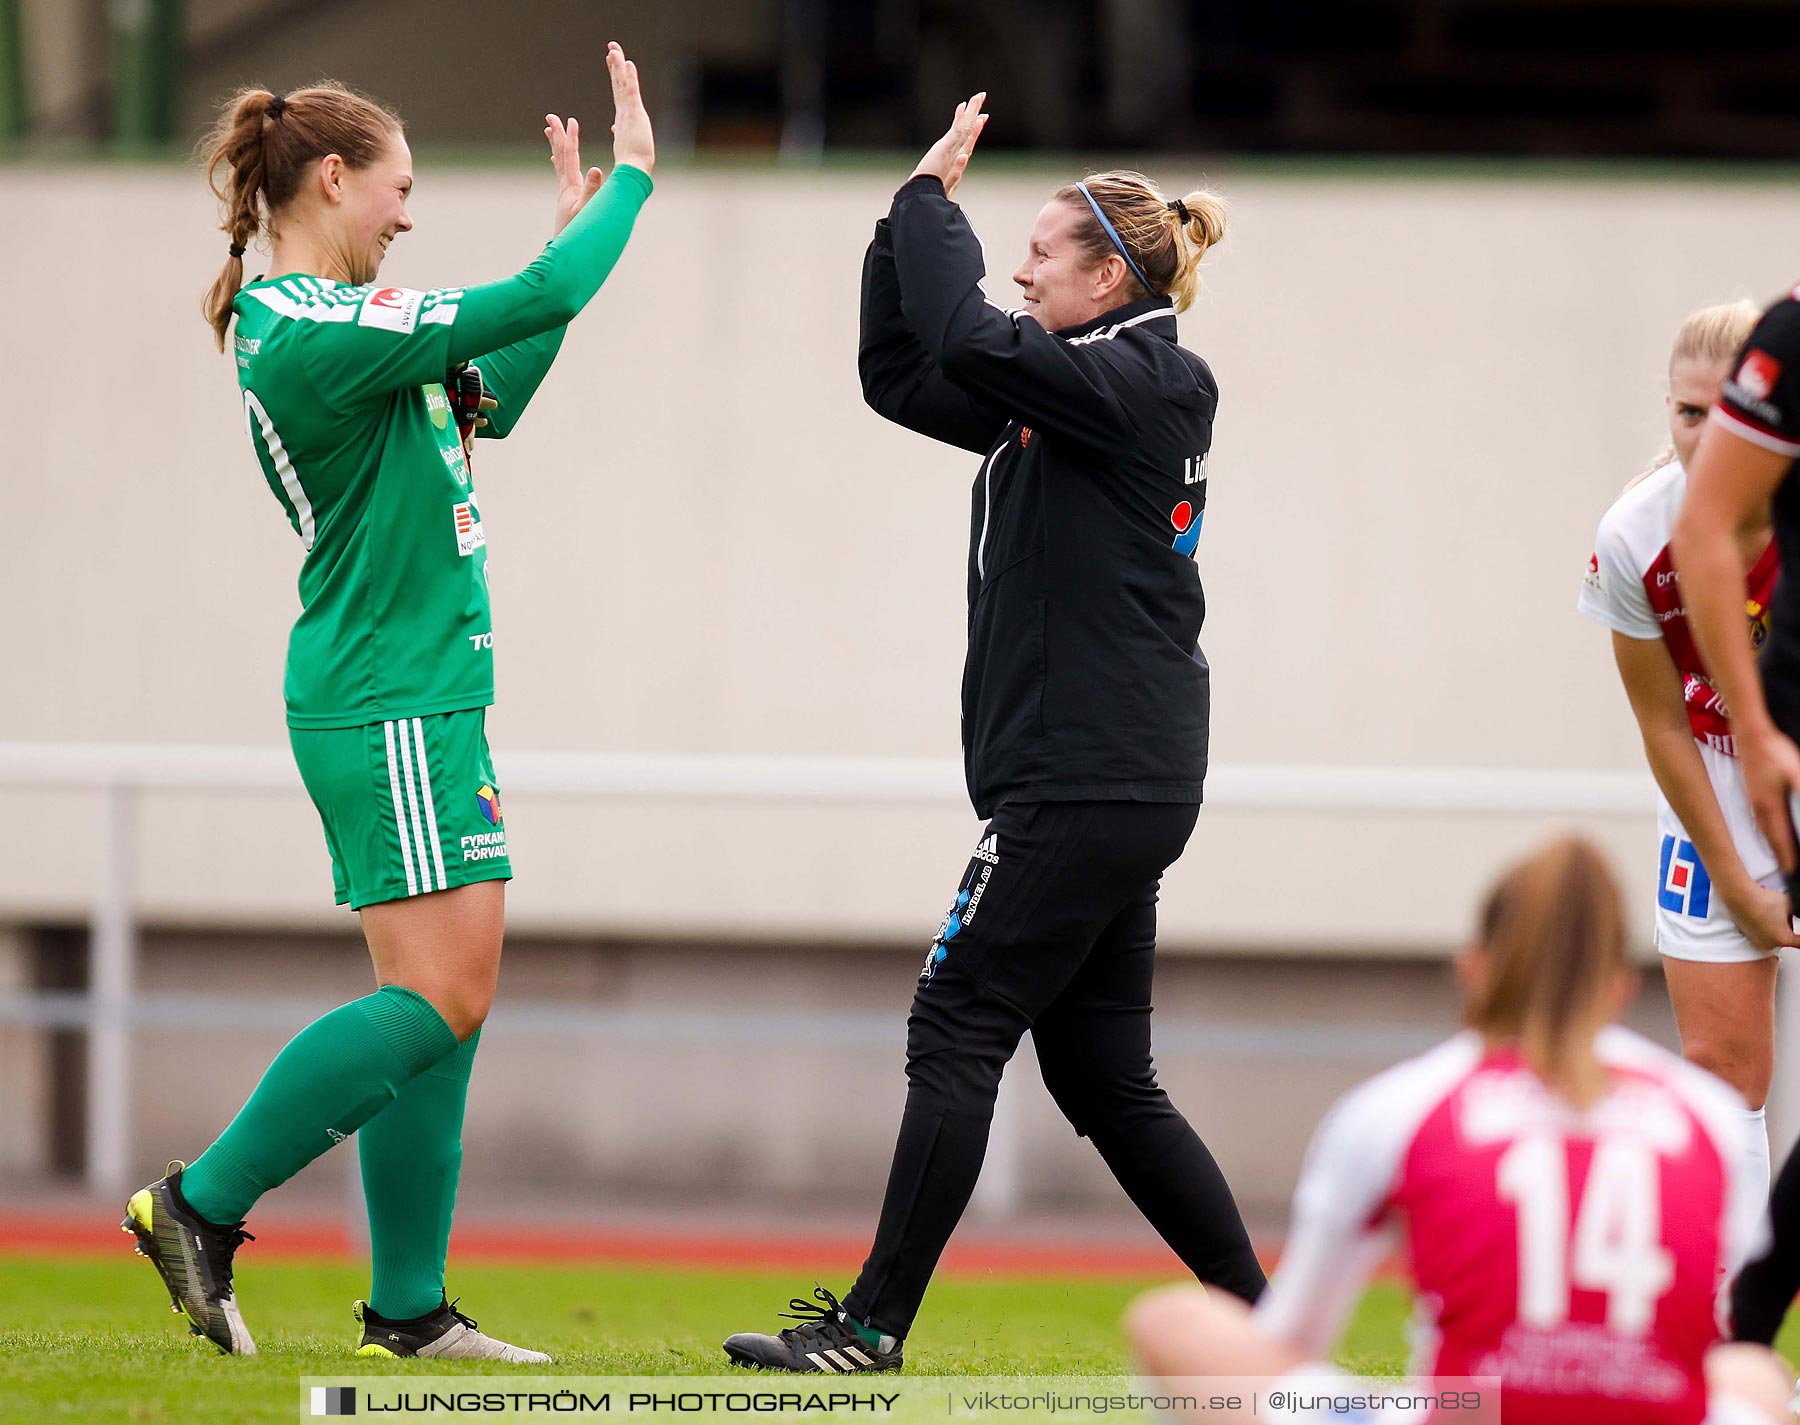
[89,1234]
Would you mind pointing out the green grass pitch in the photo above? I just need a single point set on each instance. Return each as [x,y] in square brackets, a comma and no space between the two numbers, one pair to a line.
[92,1340]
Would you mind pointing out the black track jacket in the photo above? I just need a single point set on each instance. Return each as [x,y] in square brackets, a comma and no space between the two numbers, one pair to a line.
[1084,679]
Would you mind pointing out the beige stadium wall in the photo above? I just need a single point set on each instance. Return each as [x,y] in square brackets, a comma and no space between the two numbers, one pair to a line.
[703,541]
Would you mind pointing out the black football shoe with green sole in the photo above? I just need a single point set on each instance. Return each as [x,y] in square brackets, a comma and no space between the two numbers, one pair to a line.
[193,1257]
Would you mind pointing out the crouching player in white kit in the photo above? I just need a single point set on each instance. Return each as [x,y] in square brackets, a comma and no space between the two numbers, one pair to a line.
[1721,907]
[1568,1193]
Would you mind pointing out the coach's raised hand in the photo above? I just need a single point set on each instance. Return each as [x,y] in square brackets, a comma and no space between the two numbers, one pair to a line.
[946,159]
[633,141]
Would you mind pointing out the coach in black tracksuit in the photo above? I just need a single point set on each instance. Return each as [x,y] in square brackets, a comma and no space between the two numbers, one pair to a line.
[1084,710]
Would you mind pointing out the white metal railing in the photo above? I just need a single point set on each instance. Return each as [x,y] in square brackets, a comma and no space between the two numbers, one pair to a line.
[110,1007]
[781,777]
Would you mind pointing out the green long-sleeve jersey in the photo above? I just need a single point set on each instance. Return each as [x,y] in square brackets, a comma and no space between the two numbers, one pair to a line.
[345,407]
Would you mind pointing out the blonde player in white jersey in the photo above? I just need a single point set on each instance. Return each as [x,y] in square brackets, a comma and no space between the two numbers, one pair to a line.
[1722,913]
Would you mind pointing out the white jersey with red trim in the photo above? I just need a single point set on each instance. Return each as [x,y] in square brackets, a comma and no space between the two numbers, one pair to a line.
[1574,1253]
[1633,587]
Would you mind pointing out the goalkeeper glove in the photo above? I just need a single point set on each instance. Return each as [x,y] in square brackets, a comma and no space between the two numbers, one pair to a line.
[469,398]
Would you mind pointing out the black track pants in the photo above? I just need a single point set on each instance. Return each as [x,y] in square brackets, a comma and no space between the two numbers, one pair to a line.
[1765,1288]
[1053,930]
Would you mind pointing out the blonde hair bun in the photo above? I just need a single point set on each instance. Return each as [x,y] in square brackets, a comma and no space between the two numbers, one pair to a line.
[1166,247]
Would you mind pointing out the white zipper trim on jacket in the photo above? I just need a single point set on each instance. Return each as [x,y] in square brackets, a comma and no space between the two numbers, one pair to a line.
[1108,333]
[987,504]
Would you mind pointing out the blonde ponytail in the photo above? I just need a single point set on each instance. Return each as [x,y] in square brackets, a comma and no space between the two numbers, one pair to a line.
[1166,247]
[1203,228]
[1553,933]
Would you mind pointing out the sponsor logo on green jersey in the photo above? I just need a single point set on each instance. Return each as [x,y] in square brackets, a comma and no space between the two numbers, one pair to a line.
[469,534]
[437,406]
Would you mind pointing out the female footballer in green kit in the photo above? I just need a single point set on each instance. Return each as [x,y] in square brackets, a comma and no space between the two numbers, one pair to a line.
[356,399]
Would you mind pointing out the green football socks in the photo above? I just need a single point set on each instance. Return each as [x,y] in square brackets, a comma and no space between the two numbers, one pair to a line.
[333,1077]
[411,1158]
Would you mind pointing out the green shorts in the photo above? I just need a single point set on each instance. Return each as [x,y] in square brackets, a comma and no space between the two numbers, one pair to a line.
[409,806]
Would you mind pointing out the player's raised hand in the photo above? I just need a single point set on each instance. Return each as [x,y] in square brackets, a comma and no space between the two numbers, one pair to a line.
[633,141]
[573,186]
[949,156]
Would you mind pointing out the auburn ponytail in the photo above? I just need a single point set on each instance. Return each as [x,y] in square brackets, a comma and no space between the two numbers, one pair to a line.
[237,146]
[1553,931]
[264,144]
[1166,245]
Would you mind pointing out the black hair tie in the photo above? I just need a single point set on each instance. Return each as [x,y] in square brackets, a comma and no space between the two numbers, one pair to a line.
[236,249]
[1180,210]
[276,105]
